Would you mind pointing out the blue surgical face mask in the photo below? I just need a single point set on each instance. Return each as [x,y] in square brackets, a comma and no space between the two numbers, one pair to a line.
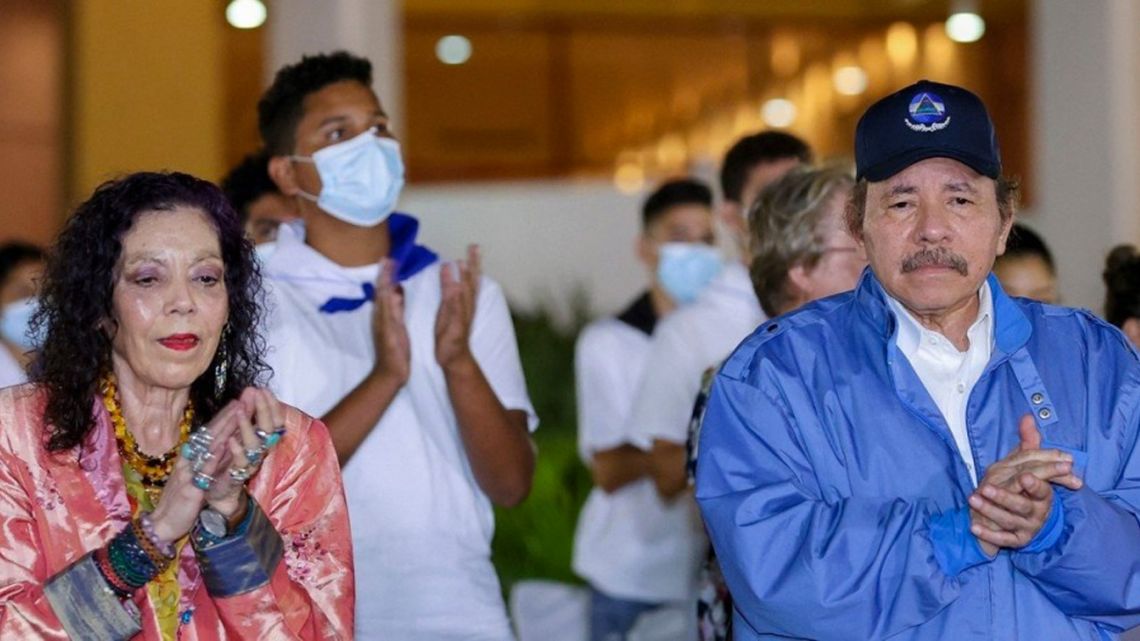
[15,323]
[361,178]
[685,269]
[264,251]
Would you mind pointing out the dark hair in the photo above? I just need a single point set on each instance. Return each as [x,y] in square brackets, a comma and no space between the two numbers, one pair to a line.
[1122,278]
[1008,192]
[282,105]
[75,301]
[15,253]
[247,182]
[784,223]
[1024,242]
[757,149]
[683,191]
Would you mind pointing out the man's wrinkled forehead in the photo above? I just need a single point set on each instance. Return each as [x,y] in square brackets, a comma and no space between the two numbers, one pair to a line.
[944,174]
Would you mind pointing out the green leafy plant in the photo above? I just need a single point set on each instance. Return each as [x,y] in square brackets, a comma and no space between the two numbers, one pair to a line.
[535,539]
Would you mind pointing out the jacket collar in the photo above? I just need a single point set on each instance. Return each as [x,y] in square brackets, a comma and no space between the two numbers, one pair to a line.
[1011,327]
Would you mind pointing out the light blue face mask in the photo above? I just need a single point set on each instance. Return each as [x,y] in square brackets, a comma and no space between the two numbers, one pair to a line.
[361,179]
[685,269]
[15,323]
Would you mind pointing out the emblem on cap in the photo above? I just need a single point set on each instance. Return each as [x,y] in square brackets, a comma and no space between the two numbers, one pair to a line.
[928,112]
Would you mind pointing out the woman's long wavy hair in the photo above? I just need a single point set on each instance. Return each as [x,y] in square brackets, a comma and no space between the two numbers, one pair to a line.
[76,300]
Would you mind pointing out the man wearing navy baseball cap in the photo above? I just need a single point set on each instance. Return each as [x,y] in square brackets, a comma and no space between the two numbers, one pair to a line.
[926,458]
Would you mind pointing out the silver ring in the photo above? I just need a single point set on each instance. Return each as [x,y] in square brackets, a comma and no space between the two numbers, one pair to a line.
[200,461]
[201,438]
[240,474]
[254,455]
[203,481]
[269,439]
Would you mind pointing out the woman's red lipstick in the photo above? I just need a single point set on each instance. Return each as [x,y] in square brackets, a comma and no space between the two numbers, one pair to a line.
[179,342]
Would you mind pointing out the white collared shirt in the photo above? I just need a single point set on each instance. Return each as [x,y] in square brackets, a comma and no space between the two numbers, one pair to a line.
[948,374]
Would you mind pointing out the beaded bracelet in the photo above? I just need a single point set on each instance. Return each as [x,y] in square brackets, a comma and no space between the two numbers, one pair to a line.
[129,560]
[164,548]
[160,560]
[103,563]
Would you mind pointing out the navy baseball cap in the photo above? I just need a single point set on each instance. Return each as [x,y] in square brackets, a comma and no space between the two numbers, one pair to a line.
[925,120]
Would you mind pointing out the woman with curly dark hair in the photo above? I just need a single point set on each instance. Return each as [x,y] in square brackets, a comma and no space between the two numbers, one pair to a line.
[147,484]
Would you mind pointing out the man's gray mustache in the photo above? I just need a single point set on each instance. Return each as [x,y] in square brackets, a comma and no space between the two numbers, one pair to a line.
[939,257]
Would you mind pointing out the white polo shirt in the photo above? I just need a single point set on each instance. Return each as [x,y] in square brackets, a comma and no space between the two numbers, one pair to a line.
[685,344]
[629,544]
[421,526]
[948,374]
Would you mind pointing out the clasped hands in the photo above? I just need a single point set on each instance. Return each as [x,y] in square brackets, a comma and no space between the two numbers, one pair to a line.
[234,436]
[1014,498]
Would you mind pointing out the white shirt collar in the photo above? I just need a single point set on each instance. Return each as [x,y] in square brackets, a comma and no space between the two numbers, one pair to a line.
[911,333]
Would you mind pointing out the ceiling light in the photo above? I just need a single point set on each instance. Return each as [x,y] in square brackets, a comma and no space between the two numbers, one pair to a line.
[453,50]
[850,80]
[778,113]
[246,14]
[965,27]
[902,43]
[629,178]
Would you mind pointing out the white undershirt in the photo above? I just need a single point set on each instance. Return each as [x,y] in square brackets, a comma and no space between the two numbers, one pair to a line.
[948,374]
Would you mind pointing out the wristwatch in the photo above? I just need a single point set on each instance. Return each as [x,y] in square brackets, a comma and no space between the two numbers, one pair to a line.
[213,523]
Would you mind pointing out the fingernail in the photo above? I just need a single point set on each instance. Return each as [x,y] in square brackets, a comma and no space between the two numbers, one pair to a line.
[975,501]
[988,491]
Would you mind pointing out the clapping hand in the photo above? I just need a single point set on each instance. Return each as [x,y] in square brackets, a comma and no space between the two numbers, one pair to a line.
[389,334]
[459,290]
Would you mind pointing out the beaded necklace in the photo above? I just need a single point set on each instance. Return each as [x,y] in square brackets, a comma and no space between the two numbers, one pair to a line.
[152,470]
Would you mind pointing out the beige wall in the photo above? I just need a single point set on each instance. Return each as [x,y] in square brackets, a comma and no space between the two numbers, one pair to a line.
[147,88]
[1086,87]
[31,86]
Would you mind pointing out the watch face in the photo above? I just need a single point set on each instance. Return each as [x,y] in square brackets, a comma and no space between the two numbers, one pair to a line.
[213,523]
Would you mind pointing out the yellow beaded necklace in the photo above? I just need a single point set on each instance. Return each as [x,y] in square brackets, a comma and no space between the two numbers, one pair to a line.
[152,470]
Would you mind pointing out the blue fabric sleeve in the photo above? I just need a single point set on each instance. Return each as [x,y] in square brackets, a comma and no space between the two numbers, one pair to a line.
[1090,569]
[243,561]
[801,565]
[955,547]
[87,607]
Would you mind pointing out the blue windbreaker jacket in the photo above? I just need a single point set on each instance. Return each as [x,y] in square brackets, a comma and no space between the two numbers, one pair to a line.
[836,499]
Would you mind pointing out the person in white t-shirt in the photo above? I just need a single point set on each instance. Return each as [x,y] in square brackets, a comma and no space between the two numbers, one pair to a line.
[411,363]
[21,266]
[629,542]
[702,334]
[699,336]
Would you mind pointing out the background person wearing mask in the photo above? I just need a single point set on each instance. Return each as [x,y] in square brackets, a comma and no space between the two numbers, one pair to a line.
[1122,300]
[630,543]
[21,266]
[411,363]
[1026,268]
[260,205]
[700,335]
[801,250]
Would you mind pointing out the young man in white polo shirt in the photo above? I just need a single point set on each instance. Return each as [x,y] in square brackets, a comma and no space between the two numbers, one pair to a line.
[411,363]
[701,335]
[636,550]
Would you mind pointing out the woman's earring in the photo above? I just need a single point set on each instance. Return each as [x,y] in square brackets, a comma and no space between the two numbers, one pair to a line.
[221,370]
